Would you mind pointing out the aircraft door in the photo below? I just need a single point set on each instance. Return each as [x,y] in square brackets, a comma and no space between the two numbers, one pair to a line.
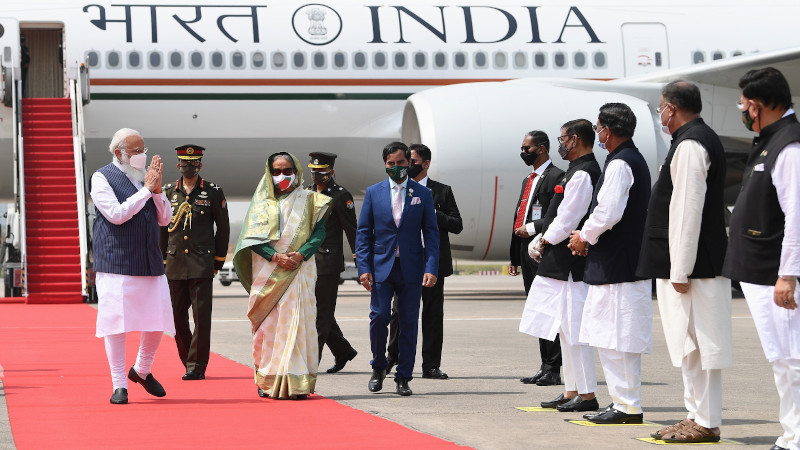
[45,76]
[645,48]
[9,57]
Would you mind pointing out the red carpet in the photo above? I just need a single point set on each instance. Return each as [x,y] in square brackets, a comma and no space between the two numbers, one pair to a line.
[57,386]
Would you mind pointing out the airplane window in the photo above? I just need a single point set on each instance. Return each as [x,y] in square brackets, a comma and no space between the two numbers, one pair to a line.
[112,60]
[379,60]
[360,60]
[560,60]
[278,60]
[175,60]
[599,60]
[440,60]
[737,53]
[658,59]
[698,57]
[461,60]
[500,60]
[237,60]
[154,60]
[520,60]
[399,60]
[420,62]
[258,60]
[134,60]
[299,60]
[540,60]
[579,59]
[93,59]
[217,60]
[319,60]
[196,60]
[717,55]
[480,60]
[339,60]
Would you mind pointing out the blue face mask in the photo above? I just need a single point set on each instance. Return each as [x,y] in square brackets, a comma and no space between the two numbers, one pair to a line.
[602,144]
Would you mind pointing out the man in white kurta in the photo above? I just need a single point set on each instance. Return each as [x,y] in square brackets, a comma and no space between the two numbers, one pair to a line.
[764,244]
[555,302]
[693,298]
[617,316]
[130,303]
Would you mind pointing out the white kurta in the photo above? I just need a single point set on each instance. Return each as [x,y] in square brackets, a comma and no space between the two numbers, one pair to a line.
[130,303]
[708,301]
[553,304]
[616,316]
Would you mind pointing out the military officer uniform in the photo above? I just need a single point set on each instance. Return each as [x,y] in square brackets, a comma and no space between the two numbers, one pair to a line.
[192,255]
[330,262]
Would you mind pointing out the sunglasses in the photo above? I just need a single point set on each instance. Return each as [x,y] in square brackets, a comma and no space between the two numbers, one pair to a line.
[287,171]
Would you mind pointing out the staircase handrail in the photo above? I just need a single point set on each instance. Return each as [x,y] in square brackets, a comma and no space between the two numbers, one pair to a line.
[79,153]
[19,180]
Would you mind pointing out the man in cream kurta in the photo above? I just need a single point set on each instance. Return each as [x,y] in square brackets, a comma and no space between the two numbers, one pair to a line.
[693,299]
[132,289]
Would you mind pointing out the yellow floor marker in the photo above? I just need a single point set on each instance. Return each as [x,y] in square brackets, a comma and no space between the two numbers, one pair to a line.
[586,423]
[535,409]
[650,440]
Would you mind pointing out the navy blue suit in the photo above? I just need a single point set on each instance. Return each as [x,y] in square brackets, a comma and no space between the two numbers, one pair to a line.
[377,242]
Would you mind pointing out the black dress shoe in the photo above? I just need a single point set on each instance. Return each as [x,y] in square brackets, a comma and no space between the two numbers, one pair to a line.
[560,400]
[390,363]
[150,384]
[435,374]
[262,394]
[192,375]
[120,396]
[402,387]
[777,447]
[340,363]
[533,379]
[376,380]
[549,379]
[576,404]
[612,416]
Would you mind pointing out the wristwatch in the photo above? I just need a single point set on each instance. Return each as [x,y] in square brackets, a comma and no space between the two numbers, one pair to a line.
[788,277]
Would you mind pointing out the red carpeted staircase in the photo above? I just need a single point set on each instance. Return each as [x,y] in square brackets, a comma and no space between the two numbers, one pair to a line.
[54,268]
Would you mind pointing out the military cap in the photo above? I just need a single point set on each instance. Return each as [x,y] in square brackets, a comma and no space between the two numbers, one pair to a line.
[322,160]
[190,151]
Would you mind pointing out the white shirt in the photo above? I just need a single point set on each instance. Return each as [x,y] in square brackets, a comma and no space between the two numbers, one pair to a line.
[611,201]
[689,171]
[118,213]
[787,166]
[577,199]
[530,226]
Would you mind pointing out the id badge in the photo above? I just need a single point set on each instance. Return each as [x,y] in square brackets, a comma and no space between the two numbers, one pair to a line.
[536,211]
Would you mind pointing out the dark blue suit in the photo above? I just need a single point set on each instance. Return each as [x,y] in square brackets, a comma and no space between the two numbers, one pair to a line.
[377,239]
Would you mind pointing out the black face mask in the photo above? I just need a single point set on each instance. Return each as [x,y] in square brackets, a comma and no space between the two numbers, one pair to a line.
[414,170]
[320,177]
[563,151]
[529,158]
[189,171]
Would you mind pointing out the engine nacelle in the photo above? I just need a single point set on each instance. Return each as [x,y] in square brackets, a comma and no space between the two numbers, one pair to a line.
[475,131]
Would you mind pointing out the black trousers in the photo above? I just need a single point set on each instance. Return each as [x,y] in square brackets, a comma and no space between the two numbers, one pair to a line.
[328,331]
[193,346]
[549,351]
[432,326]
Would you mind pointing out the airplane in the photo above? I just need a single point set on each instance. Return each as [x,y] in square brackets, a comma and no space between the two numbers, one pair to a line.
[467,78]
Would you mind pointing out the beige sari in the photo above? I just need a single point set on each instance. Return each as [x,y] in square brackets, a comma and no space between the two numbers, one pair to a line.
[282,307]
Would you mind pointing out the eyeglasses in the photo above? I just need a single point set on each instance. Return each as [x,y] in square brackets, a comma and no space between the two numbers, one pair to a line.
[195,163]
[134,151]
[287,171]
[598,129]
[660,109]
[525,148]
[562,139]
[740,105]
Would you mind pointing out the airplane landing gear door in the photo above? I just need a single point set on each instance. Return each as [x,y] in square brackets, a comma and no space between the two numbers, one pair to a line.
[645,48]
[9,57]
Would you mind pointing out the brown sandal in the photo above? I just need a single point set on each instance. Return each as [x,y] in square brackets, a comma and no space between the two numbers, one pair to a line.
[691,434]
[671,429]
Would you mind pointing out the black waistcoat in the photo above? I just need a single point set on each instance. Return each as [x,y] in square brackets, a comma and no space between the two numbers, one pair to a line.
[557,260]
[613,259]
[756,228]
[654,261]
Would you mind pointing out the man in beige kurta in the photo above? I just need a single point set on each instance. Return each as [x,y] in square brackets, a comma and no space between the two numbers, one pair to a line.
[683,249]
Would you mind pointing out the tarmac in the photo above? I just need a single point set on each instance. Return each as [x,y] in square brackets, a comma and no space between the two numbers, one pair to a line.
[485,355]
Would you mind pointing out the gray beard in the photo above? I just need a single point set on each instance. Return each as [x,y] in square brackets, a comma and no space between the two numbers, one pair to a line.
[136,174]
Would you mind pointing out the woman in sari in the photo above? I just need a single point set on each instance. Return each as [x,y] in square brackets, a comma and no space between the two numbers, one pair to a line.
[284,227]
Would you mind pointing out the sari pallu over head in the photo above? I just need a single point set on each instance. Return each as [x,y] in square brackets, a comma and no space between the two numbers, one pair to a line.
[262,225]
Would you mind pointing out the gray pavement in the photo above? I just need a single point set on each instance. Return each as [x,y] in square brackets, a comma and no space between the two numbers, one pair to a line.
[485,356]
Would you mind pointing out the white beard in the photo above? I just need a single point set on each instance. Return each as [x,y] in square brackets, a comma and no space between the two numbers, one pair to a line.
[136,174]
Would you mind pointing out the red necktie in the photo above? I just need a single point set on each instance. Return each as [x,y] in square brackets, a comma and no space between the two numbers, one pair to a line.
[523,204]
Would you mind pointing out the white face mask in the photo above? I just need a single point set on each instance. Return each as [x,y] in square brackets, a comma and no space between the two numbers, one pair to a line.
[665,128]
[283,181]
[138,161]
